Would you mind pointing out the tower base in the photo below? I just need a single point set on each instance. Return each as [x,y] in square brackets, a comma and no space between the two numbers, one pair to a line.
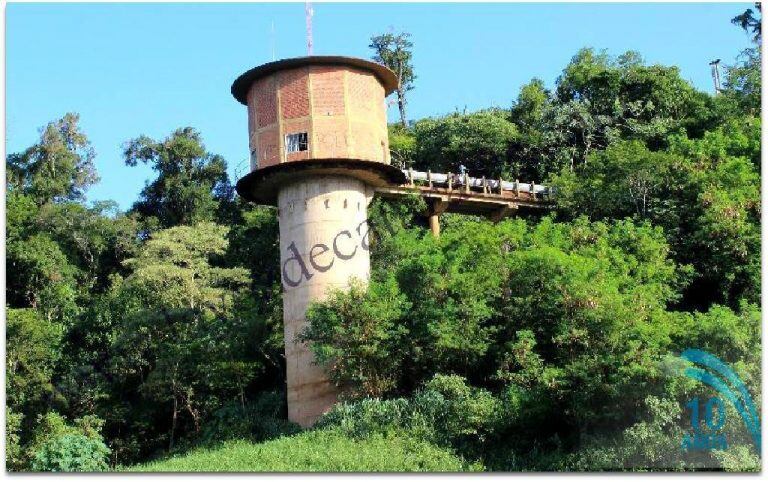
[323,246]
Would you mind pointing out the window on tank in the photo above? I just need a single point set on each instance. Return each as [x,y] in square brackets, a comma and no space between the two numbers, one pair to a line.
[296,142]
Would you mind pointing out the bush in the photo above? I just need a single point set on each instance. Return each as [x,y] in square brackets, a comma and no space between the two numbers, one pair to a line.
[357,334]
[368,416]
[654,444]
[317,451]
[446,412]
[52,426]
[738,459]
[259,420]
[71,453]
[459,415]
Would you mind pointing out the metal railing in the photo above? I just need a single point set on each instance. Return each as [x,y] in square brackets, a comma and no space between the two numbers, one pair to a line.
[489,186]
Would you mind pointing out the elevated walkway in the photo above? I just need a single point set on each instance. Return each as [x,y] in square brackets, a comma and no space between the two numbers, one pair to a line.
[454,193]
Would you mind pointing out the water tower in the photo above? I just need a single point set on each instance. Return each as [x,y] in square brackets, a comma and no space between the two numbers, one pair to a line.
[319,148]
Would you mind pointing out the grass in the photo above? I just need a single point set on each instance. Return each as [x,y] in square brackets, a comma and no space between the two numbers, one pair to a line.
[316,451]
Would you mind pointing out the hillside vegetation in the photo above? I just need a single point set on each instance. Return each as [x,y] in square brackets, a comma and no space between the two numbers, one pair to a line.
[152,339]
[319,451]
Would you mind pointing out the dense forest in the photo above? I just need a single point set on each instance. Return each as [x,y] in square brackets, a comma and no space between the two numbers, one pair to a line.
[540,343]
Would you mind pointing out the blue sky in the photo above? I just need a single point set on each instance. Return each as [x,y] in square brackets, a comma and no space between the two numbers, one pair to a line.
[132,69]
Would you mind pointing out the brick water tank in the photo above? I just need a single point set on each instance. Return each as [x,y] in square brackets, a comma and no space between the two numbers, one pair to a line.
[316,108]
[318,140]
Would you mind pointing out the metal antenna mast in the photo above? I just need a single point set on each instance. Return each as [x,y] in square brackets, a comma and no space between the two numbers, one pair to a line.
[309,12]
[272,39]
[715,64]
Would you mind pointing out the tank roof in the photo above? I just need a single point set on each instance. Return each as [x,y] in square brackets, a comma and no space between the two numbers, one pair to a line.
[242,84]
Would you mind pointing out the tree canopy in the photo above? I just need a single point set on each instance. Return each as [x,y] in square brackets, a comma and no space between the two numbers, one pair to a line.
[191,184]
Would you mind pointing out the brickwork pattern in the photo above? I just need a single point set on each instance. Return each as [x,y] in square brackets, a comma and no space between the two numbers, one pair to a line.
[265,101]
[327,91]
[294,94]
[267,148]
[341,109]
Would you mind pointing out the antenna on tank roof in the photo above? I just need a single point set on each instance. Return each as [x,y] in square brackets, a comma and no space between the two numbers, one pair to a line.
[309,12]
[272,39]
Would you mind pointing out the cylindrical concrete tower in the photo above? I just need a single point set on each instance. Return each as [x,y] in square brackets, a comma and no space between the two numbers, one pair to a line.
[319,144]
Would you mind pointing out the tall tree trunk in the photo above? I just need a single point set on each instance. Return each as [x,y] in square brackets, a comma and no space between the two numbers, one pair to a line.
[173,420]
[195,413]
[401,106]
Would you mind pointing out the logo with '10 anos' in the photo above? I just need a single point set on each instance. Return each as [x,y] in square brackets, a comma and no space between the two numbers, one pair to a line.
[719,376]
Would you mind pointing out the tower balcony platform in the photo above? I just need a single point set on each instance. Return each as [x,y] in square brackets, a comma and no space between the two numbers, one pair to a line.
[455,193]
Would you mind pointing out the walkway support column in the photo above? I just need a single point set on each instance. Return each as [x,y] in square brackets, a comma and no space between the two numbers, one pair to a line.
[436,208]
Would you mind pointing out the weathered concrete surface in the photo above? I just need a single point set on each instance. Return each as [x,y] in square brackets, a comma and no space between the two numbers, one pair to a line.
[321,244]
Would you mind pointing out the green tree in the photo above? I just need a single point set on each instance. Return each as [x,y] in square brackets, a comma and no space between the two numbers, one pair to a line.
[191,185]
[180,339]
[751,23]
[95,239]
[528,109]
[402,145]
[573,132]
[59,167]
[42,278]
[743,80]
[703,192]
[20,212]
[359,335]
[13,451]
[254,244]
[631,99]
[33,350]
[626,179]
[395,52]
[480,141]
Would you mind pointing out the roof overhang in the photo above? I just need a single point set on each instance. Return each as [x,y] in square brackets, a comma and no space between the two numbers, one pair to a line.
[242,84]
[262,185]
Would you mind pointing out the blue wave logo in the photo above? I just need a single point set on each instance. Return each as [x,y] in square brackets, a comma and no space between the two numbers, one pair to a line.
[734,391]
